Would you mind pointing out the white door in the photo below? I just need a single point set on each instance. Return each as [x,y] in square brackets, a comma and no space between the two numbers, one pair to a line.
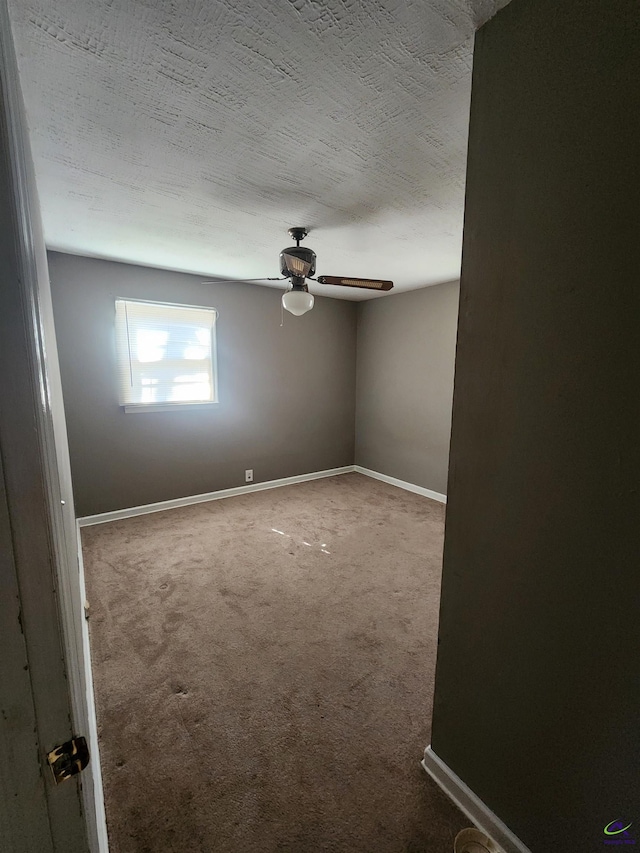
[45,691]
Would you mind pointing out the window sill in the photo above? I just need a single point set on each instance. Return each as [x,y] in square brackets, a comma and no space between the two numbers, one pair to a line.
[166,407]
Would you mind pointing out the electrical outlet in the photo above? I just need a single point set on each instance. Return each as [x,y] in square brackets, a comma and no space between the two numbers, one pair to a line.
[248,475]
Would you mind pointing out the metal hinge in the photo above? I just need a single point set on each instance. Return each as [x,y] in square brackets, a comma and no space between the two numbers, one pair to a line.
[68,759]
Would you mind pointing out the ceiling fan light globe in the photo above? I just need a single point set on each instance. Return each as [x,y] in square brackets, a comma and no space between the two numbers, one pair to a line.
[297,302]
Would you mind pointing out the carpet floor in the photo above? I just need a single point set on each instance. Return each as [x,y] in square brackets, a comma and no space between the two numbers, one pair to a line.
[264,671]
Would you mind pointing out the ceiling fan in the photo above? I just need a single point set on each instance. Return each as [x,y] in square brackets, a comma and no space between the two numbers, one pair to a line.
[297,264]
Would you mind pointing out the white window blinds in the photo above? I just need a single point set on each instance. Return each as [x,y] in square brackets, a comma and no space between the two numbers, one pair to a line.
[166,353]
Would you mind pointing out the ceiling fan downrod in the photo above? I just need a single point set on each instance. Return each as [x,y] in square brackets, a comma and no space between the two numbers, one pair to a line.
[298,234]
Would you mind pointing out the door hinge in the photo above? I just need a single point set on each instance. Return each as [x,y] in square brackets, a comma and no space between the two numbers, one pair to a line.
[69,759]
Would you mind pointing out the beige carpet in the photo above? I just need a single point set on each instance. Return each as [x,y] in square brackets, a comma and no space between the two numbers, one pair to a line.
[264,667]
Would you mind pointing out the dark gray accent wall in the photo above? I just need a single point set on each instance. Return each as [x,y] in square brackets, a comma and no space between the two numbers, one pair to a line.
[537,687]
[406,351]
[287,395]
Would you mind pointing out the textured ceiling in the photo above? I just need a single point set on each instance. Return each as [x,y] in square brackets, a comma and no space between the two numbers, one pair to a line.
[191,134]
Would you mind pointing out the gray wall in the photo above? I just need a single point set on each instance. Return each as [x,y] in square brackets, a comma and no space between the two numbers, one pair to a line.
[406,351]
[537,687]
[287,394]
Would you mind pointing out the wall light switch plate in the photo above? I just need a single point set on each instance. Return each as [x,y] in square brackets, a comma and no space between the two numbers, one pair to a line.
[248,475]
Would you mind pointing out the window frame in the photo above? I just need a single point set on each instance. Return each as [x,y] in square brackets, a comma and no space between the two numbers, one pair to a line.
[177,405]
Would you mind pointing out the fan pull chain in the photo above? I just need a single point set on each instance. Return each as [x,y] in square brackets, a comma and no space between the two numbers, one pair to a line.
[281,314]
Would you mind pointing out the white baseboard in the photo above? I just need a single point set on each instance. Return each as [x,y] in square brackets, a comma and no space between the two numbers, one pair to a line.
[471,805]
[117,514]
[402,484]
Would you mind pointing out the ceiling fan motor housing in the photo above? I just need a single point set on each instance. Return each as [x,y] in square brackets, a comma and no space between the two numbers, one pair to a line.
[307,256]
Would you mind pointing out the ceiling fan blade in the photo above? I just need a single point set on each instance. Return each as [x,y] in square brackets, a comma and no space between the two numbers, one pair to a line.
[239,280]
[367,283]
[296,266]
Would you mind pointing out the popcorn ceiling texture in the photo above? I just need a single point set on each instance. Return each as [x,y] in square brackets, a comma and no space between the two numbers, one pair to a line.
[193,134]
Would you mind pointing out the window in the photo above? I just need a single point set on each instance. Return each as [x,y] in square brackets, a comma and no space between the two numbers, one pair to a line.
[166,355]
